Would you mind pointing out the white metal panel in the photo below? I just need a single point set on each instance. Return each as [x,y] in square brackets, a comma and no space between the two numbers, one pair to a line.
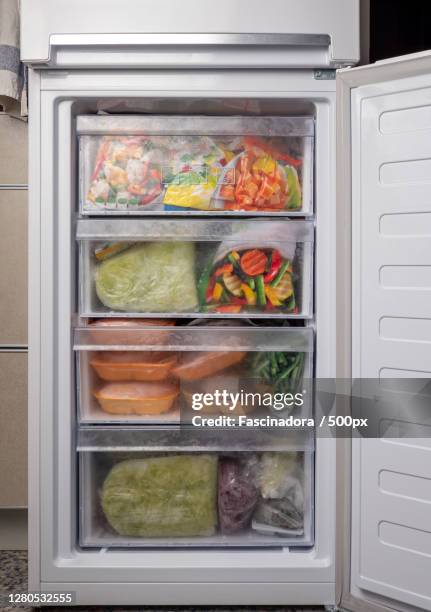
[254,594]
[391,305]
[34,335]
[49,26]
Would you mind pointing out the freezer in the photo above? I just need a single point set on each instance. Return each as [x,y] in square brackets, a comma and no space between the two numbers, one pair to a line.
[190,232]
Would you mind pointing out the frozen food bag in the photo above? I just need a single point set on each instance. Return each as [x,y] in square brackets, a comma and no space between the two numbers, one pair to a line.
[119,331]
[149,277]
[281,506]
[263,178]
[191,180]
[237,493]
[127,173]
[132,397]
[254,270]
[133,365]
[197,365]
[279,476]
[279,371]
[281,515]
[169,496]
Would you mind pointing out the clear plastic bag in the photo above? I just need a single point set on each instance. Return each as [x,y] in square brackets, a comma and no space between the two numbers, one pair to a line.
[237,493]
[165,496]
[281,485]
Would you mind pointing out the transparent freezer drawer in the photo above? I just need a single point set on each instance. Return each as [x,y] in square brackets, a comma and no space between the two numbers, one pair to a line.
[199,268]
[150,165]
[148,500]
[169,375]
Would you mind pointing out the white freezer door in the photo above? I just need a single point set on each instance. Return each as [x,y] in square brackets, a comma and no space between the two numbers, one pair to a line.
[385,114]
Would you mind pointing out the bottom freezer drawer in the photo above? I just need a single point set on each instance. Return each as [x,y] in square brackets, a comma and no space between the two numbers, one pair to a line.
[160,500]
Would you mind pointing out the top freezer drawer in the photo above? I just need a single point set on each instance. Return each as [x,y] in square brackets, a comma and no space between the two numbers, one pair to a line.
[146,165]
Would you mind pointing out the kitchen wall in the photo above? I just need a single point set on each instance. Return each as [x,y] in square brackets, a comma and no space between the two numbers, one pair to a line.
[13,331]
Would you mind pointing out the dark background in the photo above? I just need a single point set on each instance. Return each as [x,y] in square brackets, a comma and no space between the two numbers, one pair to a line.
[398,27]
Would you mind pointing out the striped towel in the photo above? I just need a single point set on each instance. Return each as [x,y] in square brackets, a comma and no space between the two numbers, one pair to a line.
[12,74]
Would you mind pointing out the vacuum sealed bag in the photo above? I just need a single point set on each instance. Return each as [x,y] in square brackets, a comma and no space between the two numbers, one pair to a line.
[167,496]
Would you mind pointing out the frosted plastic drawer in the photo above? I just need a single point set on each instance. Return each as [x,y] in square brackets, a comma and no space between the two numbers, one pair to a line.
[167,375]
[141,500]
[146,165]
[196,268]
[186,438]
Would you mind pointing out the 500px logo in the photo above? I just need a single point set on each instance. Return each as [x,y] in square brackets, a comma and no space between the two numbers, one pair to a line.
[231,401]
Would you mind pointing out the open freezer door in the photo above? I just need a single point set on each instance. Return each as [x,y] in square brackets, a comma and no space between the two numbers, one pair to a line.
[384,195]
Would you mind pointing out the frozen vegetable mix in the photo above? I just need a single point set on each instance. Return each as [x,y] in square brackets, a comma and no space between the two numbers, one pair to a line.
[261,178]
[126,173]
[248,280]
[193,177]
[149,277]
[170,496]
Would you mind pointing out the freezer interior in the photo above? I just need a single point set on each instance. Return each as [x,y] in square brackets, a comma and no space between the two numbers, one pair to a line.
[139,499]
[169,268]
[167,374]
[178,268]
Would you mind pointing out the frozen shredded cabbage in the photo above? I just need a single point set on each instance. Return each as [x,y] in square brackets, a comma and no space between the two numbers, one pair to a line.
[149,277]
[169,496]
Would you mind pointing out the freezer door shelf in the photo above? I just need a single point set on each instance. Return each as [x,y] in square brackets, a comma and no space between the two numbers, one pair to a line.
[162,375]
[214,268]
[141,500]
[193,165]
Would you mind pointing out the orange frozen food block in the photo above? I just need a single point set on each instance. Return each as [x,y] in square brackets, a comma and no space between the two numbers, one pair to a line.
[133,365]
[194,366]
[137,397]
[120,325]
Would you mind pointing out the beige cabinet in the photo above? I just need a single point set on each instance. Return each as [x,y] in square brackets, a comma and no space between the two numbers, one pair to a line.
[13,272]
[13,151]
[13,430]
[13,312]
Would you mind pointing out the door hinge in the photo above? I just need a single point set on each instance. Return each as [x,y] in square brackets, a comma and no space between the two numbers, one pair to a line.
[324,74]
